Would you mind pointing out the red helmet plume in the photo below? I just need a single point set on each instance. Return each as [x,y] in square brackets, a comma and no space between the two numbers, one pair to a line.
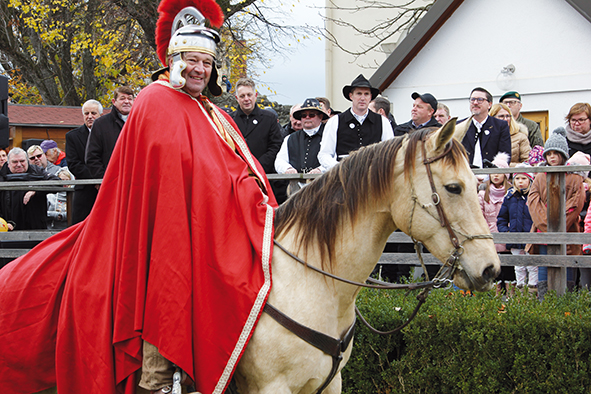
[169,9]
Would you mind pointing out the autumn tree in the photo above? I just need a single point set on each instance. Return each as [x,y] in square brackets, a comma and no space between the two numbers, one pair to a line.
[63,52]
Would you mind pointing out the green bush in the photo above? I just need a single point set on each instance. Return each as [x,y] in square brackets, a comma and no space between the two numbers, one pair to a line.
[477,343]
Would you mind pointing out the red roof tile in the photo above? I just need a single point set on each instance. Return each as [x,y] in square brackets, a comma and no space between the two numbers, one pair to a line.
[45,115]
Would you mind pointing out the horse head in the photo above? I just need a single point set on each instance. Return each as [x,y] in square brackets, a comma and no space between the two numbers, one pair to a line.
[441,206]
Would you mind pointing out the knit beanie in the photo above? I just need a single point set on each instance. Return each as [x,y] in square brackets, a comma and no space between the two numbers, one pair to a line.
[501,160]
[557,142]
[580,159]
[536,155]
[530,175]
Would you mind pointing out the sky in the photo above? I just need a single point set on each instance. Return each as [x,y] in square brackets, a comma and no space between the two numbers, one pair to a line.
[301,74]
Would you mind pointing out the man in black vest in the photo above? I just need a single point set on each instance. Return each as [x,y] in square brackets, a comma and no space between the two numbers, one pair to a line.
[421,115]
[299,151]
[355,127]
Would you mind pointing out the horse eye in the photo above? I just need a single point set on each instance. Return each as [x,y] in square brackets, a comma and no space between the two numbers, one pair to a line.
[453,188]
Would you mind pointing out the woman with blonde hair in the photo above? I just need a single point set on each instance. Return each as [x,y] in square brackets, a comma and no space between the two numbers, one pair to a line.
[519,142]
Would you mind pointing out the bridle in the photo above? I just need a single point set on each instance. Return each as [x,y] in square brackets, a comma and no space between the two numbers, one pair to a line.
[443,277]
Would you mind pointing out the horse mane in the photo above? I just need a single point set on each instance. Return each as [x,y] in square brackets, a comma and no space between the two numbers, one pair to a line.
[319,209]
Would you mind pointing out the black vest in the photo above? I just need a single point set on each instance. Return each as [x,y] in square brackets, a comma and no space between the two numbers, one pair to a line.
[352,136]
[303,150]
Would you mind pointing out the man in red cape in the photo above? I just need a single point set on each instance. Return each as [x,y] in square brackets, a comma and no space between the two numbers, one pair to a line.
[176,251]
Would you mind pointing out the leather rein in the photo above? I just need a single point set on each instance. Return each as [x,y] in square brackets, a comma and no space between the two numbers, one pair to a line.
[336,347]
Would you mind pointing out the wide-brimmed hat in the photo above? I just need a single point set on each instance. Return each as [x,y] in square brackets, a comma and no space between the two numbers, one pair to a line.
[360,82]
[310,103]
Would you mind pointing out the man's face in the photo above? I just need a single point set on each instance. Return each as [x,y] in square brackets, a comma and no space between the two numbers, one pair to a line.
[441,116]
[90,113]
[514,105]
[360,98]
[311,119]
[247,98]
[479,105]
[38,158]
[325,108]
[580,123]
[18,163]
[52,155]
[123,103]
[197,73]
[372,107]
[421,111]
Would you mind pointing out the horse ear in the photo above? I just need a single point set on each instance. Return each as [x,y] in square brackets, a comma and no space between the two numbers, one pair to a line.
[444,134]
[461,129]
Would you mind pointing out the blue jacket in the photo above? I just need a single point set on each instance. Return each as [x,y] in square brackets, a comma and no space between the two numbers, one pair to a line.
[514,215]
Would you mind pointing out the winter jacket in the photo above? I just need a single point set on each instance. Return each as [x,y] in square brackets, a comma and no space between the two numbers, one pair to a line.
[490,211]
[537,201]
[514,216]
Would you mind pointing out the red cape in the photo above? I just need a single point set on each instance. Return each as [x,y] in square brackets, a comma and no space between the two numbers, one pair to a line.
[176,251]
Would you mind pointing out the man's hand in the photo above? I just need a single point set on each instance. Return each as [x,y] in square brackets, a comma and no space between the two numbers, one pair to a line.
[315,171]
[291,171]
[28,196]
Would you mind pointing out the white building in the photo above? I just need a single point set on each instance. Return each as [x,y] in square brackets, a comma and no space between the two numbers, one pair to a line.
[342,67]
[462,44]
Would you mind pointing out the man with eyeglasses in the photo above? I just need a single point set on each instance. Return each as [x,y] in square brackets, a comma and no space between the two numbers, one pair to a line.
[513,101]
[299,151]
[486,135]
[355,127]
[421,115]
[578,128]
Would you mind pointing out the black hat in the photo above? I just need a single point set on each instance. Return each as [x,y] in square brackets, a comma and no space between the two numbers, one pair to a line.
[360,82]
[309,104]
[511,94]
[427,98]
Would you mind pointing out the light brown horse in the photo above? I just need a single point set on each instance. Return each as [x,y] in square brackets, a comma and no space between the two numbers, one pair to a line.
[341,222]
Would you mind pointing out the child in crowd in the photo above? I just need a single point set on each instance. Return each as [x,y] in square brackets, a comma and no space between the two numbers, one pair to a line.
[491,199]
[583,159]
[514,217]
[555,154]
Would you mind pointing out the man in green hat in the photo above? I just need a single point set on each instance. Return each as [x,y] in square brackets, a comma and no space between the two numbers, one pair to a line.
[513,101]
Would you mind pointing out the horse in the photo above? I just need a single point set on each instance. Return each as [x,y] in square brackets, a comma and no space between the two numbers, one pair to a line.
[340,223]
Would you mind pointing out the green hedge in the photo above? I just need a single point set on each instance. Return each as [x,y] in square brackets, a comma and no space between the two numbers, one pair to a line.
[472,344]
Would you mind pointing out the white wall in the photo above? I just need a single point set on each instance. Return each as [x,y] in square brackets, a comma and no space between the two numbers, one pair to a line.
[546,40]
[341,67]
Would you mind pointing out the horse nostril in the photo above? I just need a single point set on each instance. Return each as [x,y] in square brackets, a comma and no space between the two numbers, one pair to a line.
[490,273]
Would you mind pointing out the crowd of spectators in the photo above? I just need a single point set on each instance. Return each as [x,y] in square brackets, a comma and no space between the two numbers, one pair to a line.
[314,140]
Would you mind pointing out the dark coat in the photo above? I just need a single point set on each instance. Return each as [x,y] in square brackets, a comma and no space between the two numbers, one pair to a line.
[514,216]
[262,134]
[84,195]
[26,217]
[102,140]
[405,128]
[495,137]
[574,147]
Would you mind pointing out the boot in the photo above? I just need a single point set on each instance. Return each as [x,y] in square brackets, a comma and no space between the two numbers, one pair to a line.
[532,290]
[542,289]
[510,289]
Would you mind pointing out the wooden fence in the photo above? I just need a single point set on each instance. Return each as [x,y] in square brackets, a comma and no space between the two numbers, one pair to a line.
[557,238]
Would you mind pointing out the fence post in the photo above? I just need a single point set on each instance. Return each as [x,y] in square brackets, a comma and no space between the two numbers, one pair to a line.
[556,191]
